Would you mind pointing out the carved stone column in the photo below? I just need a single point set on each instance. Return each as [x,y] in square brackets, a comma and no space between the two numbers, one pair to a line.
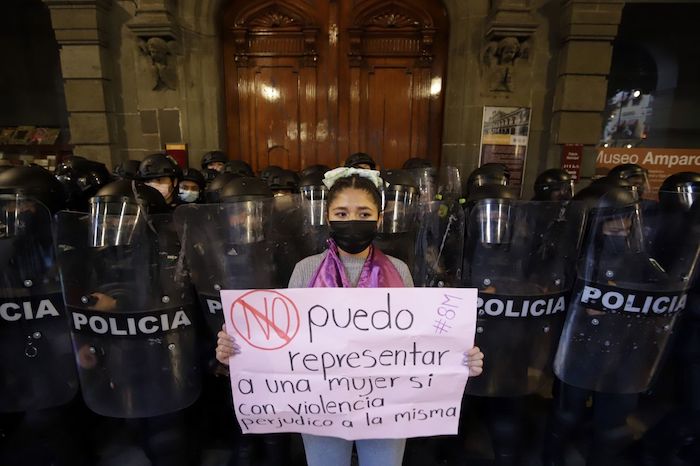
[588,30]
[80,31]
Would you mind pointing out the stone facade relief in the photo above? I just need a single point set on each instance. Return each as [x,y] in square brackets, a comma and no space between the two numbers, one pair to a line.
[161,55]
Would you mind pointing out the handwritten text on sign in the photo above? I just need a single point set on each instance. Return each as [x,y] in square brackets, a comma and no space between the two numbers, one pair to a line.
[350,363]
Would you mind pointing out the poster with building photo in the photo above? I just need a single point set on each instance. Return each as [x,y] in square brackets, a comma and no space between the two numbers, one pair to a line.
[504,136]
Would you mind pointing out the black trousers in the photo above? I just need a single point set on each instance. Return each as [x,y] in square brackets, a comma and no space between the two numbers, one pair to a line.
[609,424]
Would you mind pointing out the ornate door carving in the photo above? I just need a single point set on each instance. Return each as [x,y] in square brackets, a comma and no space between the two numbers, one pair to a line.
[313,81]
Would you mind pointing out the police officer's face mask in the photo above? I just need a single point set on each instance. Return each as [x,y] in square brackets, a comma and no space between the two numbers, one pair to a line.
[189,196]
[353,236]
[165,188]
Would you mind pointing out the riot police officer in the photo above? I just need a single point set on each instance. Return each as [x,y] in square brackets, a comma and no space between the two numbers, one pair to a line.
[677,434]
[521,304]
[233,245]
[191,188]
[553,184]
[40,417]
[161,172]
[214,160]
[397,232]
[132,316]
[623,309]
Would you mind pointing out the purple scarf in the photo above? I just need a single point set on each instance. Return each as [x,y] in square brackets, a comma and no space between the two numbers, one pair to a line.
[377,271]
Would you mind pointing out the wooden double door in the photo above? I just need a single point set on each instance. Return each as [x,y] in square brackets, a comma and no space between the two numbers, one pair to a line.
[312,81]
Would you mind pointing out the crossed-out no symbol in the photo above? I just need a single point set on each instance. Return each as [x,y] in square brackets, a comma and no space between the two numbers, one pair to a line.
[265,319]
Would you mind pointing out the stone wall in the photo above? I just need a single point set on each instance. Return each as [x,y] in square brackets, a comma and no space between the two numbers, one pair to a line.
[143,73]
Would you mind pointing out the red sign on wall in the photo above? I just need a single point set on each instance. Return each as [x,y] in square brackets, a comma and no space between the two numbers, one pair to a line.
[571,155]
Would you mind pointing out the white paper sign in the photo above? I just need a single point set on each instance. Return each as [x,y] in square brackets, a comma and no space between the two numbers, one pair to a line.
[349,362]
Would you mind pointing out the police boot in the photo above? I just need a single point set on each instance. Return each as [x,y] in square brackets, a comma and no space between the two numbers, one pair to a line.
[556,439]
[606,446]
[505,438]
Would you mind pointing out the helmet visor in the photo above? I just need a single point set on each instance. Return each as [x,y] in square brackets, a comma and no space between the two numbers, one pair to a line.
[398,213]
[494,220]
[313,204]
[114,223]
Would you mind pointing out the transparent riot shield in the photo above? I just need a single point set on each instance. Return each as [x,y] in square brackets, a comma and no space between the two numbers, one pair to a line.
[439,245]
[227,246]
[288,230]
[131,311]
[520,256]
[37,367]
[427,182]
[398,229]
[633,280]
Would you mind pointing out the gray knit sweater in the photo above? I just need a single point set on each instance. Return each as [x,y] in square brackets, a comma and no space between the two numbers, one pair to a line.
[306,268]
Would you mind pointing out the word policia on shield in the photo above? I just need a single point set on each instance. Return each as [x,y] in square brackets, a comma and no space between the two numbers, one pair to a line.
[350,363]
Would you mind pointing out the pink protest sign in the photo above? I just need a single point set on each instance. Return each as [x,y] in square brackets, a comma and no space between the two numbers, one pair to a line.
[350,363]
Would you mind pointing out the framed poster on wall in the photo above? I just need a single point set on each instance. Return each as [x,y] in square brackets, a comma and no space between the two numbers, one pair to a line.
[504,137]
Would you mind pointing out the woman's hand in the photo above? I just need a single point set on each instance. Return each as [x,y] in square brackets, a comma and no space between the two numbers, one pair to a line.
[226,346]
[474,360]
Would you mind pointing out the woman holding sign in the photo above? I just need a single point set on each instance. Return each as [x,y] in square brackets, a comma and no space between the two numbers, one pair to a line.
[354,206]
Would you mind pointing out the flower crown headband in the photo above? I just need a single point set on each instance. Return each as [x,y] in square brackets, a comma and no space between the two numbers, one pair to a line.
[334,175]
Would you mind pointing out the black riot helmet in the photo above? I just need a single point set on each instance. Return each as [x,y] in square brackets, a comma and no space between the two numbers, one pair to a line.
[238,167]
[33,182]
[212,194]
[270,171]
[81,179]
[417,162]
[158,166]
[680,191]
[633,173]
[283,182]
[242,189]
[313,169]
[488,174]
[128,169]
[613,219]
[120,209]
[554,184]
[192,174]
[360,160]
[399,197]
[212,157]
[492,204]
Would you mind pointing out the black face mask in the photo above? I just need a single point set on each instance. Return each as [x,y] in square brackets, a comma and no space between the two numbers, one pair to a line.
[616,244]
[353,236]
